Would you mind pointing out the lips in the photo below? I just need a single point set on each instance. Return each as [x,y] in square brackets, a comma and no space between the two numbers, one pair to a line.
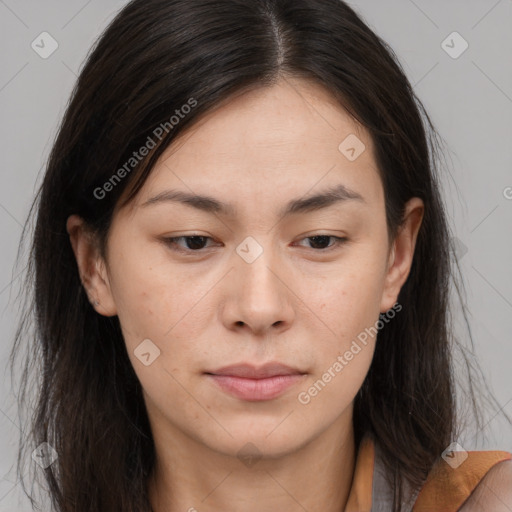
[253,384]
[248,371]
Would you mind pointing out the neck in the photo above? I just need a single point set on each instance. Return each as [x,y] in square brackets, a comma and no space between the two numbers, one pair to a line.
[188,476]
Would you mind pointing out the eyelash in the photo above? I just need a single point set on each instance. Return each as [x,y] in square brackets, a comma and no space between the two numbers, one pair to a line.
[171,242]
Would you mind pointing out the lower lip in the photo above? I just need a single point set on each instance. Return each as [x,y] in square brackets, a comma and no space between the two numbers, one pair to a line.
[256,389]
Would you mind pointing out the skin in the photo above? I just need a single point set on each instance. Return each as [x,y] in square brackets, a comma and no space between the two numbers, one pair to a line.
[296,303]
[494,492]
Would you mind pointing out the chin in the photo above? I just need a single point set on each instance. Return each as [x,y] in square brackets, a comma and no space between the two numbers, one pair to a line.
[261,440]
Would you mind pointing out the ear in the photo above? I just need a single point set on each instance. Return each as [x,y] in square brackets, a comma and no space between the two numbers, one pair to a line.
[91,266]
[402,252]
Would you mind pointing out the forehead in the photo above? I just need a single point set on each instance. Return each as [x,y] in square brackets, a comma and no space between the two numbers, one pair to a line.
[270,144]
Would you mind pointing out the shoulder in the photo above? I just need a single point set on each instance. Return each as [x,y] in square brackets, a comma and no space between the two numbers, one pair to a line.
[494,491]
[474,481]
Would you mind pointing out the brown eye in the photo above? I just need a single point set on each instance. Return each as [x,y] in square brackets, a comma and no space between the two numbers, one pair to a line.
[321,242]
[194,243]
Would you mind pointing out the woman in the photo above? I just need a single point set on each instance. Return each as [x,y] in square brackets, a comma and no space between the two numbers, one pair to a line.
[247,307]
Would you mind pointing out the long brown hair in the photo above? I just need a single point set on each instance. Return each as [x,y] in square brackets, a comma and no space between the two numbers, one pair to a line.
[152,59]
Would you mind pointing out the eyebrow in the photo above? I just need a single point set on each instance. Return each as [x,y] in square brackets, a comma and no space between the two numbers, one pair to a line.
[324,199]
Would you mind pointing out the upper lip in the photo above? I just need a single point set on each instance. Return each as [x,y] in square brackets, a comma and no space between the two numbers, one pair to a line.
[249,371]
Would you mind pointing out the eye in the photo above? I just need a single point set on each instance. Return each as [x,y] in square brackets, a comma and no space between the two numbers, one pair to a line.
[194,243]
[322,240]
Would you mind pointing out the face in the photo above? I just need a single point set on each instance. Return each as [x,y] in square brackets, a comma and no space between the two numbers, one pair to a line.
[260,274]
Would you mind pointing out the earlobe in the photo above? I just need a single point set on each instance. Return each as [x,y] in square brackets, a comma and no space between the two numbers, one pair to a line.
[91,266]
[402,253]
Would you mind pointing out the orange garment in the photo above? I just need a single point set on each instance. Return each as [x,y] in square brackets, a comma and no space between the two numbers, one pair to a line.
[445,490]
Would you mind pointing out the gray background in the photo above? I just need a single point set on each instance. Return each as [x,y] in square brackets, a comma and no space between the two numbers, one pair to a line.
[469,99]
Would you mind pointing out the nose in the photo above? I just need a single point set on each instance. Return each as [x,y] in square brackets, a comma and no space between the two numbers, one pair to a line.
[261,296]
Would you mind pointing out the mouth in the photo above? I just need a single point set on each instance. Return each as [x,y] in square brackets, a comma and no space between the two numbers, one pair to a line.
[250,383]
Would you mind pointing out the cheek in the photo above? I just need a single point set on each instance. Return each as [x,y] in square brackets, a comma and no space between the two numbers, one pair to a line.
[329,393]
[349,300]
[348,310]
[156,311]
[151,294]
[169,307]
